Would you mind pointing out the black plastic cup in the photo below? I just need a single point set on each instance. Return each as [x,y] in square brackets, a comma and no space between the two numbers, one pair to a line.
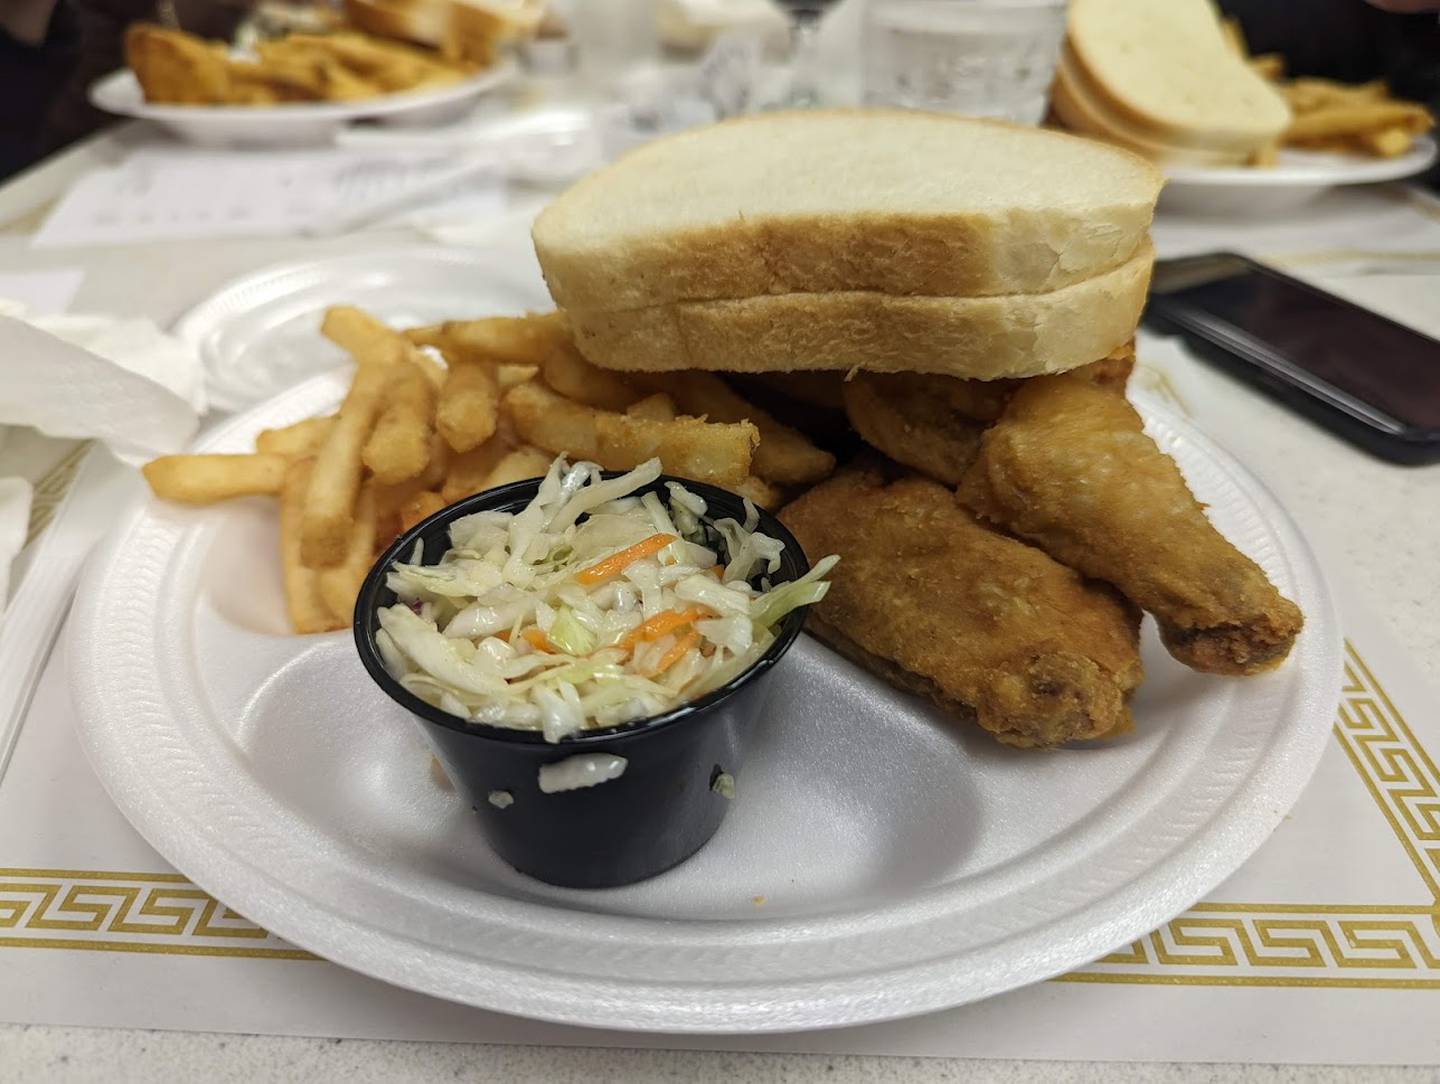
[671,797]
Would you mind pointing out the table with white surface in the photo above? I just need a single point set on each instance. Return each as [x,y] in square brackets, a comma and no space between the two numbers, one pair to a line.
[1373,520]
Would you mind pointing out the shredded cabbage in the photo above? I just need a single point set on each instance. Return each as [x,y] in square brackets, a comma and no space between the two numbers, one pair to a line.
[501,631]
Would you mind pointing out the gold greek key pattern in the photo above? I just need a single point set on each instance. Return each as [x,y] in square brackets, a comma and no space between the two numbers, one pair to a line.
[1395,947]
[1398,771]
[1283,945]
[1213,944]
[51,490]
[126,912]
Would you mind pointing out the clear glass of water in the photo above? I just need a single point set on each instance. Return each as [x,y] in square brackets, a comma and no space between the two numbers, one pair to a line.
[985,58]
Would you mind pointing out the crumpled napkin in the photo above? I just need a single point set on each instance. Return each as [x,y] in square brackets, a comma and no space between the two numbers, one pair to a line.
[122,382]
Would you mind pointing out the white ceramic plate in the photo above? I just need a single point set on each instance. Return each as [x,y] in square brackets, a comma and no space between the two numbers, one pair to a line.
[259,334]
[293,123]
[1296,179]
[880,860]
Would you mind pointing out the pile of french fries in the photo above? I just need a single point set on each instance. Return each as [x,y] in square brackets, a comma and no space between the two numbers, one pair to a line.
[1362,118]
[436,414]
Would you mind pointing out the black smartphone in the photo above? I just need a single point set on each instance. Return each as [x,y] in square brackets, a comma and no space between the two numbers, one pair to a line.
[1367,378]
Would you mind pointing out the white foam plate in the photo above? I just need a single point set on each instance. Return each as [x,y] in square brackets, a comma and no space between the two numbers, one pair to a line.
[1297,178]
[293,123]
[881,860]
[259,334]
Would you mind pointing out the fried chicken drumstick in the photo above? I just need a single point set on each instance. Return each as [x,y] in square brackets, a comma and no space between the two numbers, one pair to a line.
[989,628]
[1069,468]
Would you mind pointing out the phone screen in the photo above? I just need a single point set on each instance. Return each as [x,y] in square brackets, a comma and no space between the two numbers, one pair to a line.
[1306,330]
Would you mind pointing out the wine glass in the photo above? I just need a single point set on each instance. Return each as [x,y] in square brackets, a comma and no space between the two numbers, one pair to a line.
[805,16]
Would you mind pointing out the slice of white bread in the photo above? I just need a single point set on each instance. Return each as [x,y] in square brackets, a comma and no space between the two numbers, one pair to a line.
[1076,106]
[1166,68]
[887,201]
[976,337]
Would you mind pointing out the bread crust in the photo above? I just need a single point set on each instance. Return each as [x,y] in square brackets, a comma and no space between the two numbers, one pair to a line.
[982,338]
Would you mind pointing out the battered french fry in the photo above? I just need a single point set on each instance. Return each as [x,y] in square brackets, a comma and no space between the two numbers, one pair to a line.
[421,506]
[335,480]
[1266,157]
[518,465]
[1269,66]
[468,409]
[760,492]
[566,372]
[303,601]
[658,408]
[1387,142]
[784,456]
[204,479]
[300,439]
[1356,119]
[516,340]
[364,338]
[390,499]
[469,470]
[339,586]
[687,447]
[399,447]
[510,375]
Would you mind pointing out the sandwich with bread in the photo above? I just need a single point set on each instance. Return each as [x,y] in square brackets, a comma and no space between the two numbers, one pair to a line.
[890,241]
[966,293]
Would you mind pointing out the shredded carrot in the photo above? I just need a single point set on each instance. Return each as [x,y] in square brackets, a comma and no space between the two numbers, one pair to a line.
[657,626]
[719,570]
[536,638]
[671,657]
[618,562]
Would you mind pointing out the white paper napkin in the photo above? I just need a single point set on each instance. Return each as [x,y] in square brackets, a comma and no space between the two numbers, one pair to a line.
[141,401]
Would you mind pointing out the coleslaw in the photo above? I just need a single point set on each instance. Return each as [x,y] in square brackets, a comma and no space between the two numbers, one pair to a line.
[592,606]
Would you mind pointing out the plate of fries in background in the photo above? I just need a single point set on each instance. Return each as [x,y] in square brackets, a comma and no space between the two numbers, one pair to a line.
[297,90]
[1339,134]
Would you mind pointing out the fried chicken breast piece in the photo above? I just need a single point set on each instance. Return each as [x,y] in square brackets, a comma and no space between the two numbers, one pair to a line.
[1069,467]
[914,419]
[989,628]
[933,423]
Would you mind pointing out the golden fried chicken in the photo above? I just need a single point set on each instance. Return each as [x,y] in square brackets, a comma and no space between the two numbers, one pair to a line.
[933,423]
[989,628]
[176,68]
[913,419]
[1069,468]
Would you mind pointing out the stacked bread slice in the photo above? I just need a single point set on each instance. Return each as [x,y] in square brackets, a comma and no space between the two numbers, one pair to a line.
[1160,79]
[871,239]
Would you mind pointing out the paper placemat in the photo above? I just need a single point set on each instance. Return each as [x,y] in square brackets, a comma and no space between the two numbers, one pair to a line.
[1325,947]
[166,194]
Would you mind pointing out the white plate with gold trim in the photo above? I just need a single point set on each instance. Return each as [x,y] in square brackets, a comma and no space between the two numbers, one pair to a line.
[880,861]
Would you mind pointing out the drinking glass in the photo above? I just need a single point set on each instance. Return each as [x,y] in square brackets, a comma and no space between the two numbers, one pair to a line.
[986,58]
[805,16]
